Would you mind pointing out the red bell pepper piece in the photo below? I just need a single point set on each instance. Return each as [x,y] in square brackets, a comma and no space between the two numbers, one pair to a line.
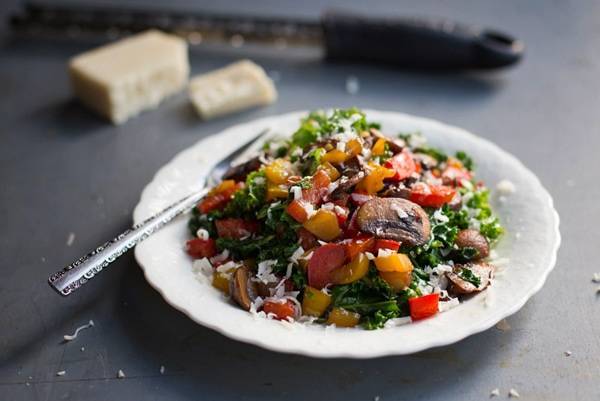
[425,306]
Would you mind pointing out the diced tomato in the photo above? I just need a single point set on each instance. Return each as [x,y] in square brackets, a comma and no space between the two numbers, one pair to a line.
[386,244]
[297,210]
[201,248]
[318,189]
[359,198]
[324,260]
[236,228]
[358,244]
[425,306]
[454,175]
[307,239]
[431,195]
[218,200]
[403,165]
[281,310]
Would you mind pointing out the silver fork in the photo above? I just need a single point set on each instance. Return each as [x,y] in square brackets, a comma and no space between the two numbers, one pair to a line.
[82,270]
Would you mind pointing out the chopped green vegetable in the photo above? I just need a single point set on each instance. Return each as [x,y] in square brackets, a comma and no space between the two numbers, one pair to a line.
[468,275]
[465,160]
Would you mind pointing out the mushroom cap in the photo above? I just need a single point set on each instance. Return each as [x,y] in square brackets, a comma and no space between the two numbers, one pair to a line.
[395,218]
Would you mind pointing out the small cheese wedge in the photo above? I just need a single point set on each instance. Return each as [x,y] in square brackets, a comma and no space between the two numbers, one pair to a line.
[122,79]
[238,86]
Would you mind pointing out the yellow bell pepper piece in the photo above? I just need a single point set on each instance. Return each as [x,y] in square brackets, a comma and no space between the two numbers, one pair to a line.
[276,192]
[395,262]
[353,271]
[221,282]
[324,225]
[315,302]
[397,280]
[222,187]
[343,318]
[353,148]
[373,182]
[278,171]
[334,156]
[331,171]
[379,147]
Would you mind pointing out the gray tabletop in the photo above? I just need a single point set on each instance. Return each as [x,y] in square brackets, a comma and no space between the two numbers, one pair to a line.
[65,171]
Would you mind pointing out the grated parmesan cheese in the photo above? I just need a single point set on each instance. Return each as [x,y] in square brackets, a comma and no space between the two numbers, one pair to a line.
[297,192]
[441,217]
[202,234]
[505,187]
[296,255]
[384,252]
[265,272]
[447,305]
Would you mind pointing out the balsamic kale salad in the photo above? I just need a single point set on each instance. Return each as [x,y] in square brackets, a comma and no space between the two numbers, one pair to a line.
[341,224]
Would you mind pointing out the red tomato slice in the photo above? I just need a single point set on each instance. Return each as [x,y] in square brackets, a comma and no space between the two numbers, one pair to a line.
[358,244]
[200,248]
[236,228]
[281,310]
[403,164]
[386,244]
[431,195]
[425,306]
[325,259]
[454,175]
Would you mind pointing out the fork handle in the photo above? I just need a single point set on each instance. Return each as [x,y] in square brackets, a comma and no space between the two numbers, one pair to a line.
[82,270]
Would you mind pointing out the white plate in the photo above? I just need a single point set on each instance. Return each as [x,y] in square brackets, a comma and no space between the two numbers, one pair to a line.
[530,245]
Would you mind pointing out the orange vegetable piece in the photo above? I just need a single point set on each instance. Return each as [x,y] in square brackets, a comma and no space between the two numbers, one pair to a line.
[324,225]
[331,171]
[353,271]
[373,182]
[315,302]
[334,156]
[343,318]
[278,171]
[379,148]
[396,262]
[397,280]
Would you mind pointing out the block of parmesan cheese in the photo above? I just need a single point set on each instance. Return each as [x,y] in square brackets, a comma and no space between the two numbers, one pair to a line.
[121,79]
[238,86]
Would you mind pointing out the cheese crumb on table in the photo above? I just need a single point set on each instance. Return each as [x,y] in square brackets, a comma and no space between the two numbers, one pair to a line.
[236,87]
[121,79]
[495,392]
[120,374]
[513,393]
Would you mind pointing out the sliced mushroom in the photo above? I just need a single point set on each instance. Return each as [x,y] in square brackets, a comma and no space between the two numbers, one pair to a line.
[241,288]
[473,239]
[458,285]
[394,218]
[396,191]
[240,171]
